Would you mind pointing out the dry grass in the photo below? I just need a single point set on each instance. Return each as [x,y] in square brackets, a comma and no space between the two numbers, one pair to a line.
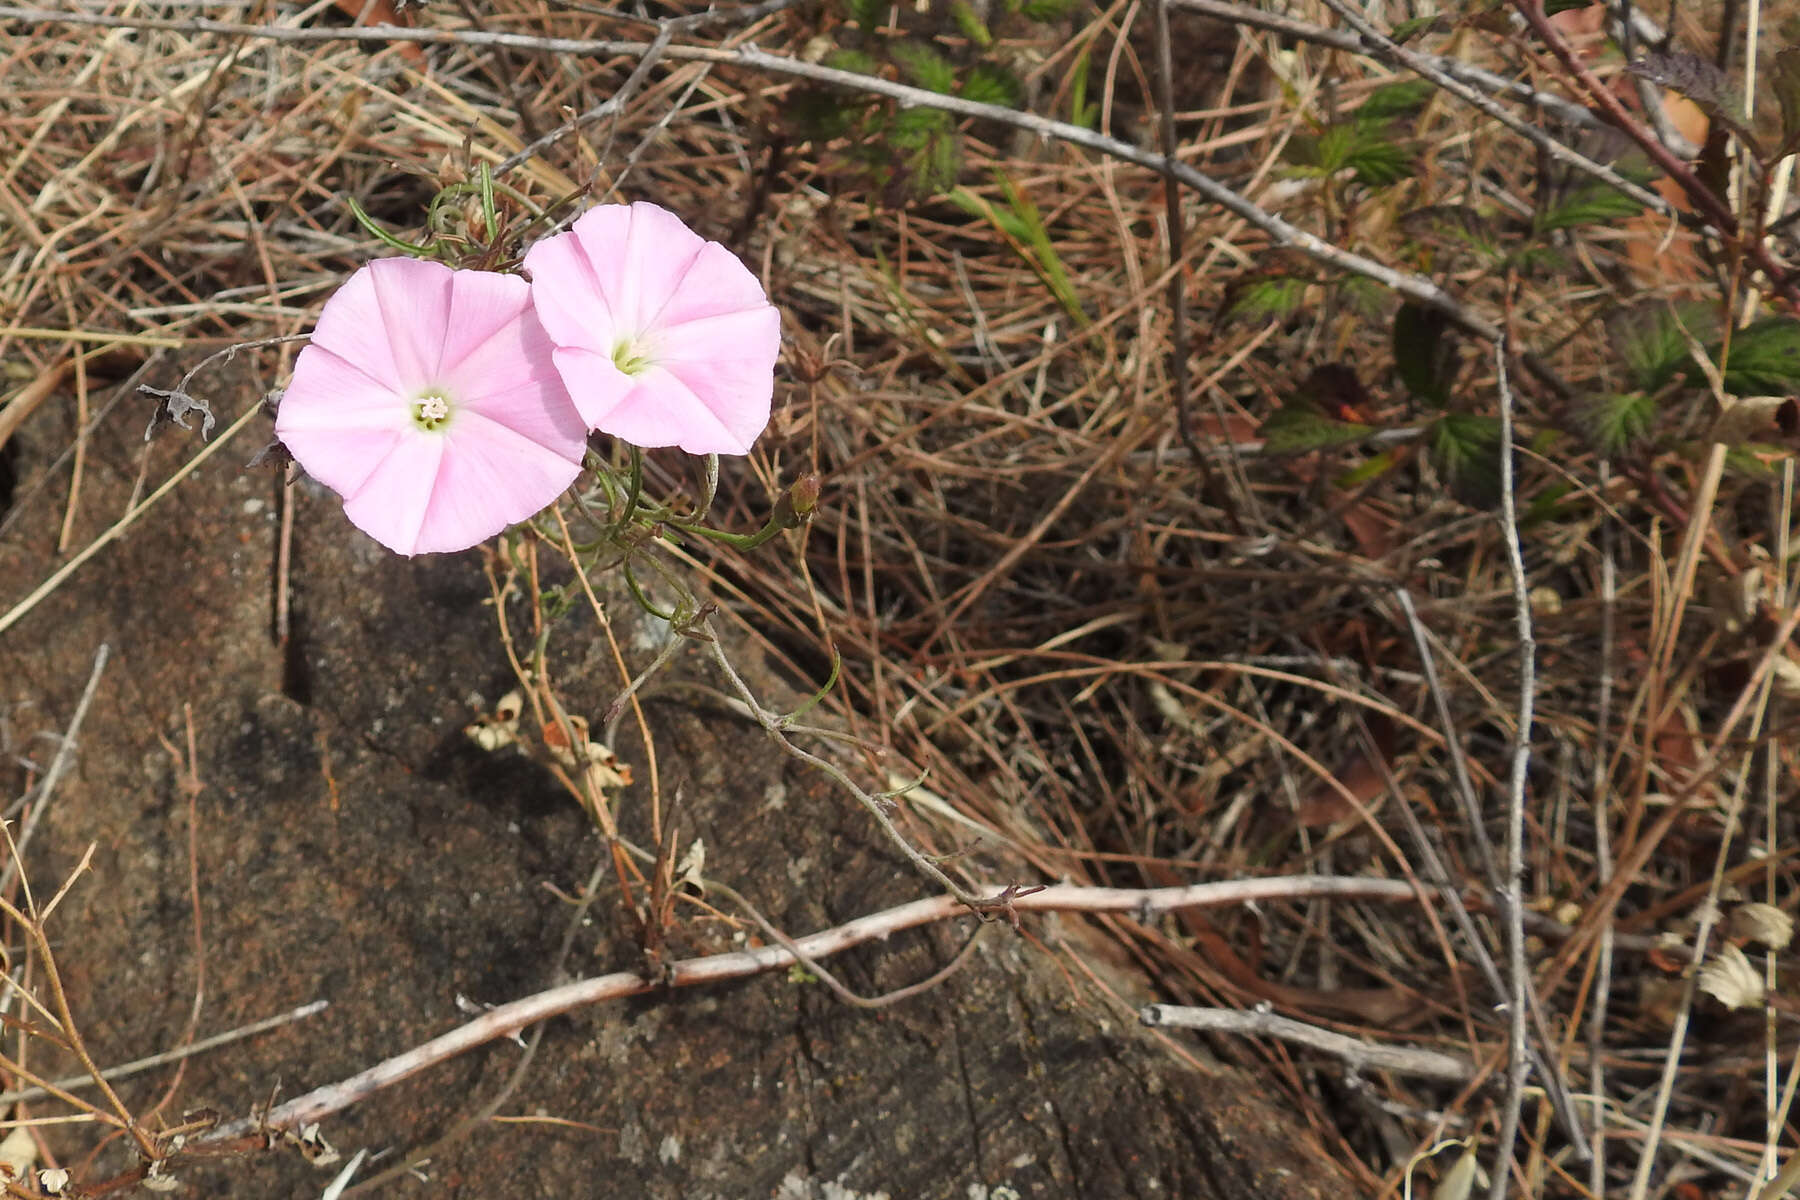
[1127,665]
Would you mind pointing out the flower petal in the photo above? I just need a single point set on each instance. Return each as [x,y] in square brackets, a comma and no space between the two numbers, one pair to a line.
[490,477]
[716,282]
[415,304]
[392,503]
[663,411]
[336,421]
[354,323]
[483,307]
[728,363]
[595,383]
[567,295]
[510,379]
[636,278]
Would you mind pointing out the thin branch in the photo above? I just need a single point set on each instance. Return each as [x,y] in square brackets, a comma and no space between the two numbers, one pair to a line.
[1511,896]
[1549,1070]
[1281,233]
[75,1083]
[1358,1055]
[1697,192]
[1381,46]
[668,29]
[508,1019]
[1497,85]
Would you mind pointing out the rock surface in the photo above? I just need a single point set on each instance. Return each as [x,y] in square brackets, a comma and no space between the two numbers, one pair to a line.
[353,846]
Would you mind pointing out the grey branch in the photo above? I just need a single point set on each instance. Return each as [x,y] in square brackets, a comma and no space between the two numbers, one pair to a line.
[1281,233]
[1563,110]
[1358,1055]
[508,1019]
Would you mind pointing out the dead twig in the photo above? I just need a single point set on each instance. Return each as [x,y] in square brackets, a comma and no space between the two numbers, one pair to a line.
[1357,1054]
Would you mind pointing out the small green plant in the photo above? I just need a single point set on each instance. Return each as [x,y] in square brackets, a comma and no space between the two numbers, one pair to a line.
[900,153]
[1668,364]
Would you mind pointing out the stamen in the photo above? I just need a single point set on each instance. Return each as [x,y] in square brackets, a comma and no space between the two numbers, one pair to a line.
[431,412]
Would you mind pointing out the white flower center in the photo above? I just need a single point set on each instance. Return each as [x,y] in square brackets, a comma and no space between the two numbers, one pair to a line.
[431,411]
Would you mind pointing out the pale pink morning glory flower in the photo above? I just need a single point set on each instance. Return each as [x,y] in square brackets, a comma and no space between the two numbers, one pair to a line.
[428,401]
[662,337]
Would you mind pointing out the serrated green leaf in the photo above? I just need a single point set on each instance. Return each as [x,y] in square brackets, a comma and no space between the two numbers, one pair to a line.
[1465,448]
[1590,204]
[1649,343]
[1618,423]
[1265,298]
[1299,427]
[1699,79]
[855,61]
[987,83]
[970,23]
[867,13]
[1379,163]
[1424,353]
[1763,359]
[1324,153]
[1456,225]
[925,67]
[912,128]
[819,115]
[1395,100]
[1046,11]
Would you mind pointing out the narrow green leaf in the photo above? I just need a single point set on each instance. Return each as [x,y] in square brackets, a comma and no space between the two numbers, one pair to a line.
[851,60]
[1424,353]
[1080,111]
[1466,449]
[1552,7]
[1046,11]
[1763,359]
[1754,460]
[1049,262]
[1299,427]
[1377,466]
[925,67]
[1362,296]
[1459,226]
[1324,153]
[1406,31]
[971,24]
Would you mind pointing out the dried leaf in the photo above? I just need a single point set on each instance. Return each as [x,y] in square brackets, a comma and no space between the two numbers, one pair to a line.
[1764,924]
[1731,980]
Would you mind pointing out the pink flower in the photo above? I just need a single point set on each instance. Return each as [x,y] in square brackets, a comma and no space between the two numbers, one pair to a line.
[662,338]
[428,401]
